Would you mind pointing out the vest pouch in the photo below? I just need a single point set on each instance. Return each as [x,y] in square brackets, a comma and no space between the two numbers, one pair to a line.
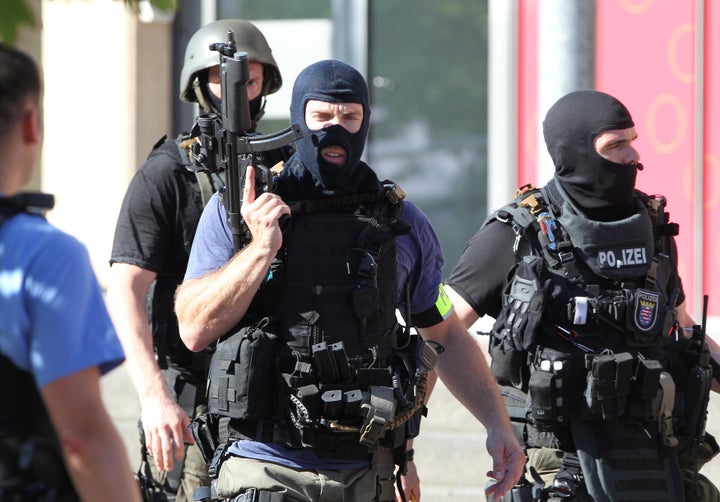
[522,304]
[507,364]
[608,384]
[547,390]
[644,390]
[693,396]
[241,373]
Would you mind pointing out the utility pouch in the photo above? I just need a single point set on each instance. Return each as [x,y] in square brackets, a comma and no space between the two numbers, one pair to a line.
[600,394]
[697,395]
[644,390]
[508,365]
[522,304]
[546,390]
[241,373]
[542,396]
[608,385]
[688,361]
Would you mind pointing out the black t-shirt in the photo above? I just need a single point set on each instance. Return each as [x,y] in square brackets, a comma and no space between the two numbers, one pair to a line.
[159,215]
[154,231]
[480,273]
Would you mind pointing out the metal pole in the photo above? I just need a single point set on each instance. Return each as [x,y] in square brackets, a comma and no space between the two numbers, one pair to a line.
[502,102]
[566,59]
[699,154]
[350,33]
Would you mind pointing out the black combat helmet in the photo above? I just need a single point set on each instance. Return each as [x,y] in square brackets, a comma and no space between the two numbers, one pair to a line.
[198,56]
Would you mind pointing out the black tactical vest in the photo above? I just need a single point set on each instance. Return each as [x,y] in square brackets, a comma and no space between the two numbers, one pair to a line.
[320,360]
[586,347]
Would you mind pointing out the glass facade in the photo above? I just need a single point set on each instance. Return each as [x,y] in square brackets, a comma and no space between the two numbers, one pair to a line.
[428,76]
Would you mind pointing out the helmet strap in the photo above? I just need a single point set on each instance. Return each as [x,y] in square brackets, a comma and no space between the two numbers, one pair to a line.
[210,105]
[259,113]
[202,93]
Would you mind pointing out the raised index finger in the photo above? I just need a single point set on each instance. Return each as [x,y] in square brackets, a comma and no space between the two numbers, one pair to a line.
[249,187]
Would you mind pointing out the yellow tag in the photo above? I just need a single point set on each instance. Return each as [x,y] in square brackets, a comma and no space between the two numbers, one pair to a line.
[443,303]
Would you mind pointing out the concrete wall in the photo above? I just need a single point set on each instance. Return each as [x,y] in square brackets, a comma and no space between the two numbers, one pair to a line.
[102,114]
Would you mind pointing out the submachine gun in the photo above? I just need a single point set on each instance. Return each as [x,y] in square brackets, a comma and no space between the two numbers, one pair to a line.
[226,142]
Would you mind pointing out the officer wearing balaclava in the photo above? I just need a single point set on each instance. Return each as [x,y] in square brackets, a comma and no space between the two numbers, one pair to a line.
[332,82]
[333,253]
[583,268]
[602,188]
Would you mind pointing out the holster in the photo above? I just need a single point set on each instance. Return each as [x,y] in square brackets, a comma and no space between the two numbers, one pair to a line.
[205,432]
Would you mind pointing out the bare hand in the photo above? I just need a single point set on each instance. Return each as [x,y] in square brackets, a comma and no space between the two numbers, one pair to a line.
[410,484]
[262,215]
[508,462]
[166,431]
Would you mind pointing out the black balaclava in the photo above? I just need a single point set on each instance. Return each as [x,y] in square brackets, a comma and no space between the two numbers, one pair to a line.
[604,190]
[334,82]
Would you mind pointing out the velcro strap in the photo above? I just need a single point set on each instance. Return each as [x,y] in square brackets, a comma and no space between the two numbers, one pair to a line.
[379,413]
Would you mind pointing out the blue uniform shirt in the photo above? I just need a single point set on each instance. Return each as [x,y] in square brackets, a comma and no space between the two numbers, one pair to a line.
[53,319]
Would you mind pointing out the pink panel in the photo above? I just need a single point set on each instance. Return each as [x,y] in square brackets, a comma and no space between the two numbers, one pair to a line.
[645,57]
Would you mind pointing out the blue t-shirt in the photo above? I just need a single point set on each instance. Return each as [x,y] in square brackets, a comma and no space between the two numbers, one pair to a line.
[420,262]
[53,319]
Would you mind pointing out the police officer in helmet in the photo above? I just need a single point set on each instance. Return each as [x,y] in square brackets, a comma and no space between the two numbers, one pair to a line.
[200,75]
[592,345]
[154,231]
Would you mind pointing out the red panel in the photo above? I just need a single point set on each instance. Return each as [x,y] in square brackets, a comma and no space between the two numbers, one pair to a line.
[527,91]
[645,57]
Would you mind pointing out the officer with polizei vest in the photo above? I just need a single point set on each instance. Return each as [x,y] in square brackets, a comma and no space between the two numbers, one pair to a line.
[604,374]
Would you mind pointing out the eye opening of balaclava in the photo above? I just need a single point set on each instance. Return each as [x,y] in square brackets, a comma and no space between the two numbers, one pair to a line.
[603,189]
[331,81]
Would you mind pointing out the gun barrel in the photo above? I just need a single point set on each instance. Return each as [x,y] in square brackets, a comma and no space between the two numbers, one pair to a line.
[234,74]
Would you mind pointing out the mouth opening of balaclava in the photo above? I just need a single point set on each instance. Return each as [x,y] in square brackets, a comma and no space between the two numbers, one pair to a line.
[603,189]
[333,82]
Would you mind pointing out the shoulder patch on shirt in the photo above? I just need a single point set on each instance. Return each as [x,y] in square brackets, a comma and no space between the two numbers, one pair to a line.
[443,303]
[437,313]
